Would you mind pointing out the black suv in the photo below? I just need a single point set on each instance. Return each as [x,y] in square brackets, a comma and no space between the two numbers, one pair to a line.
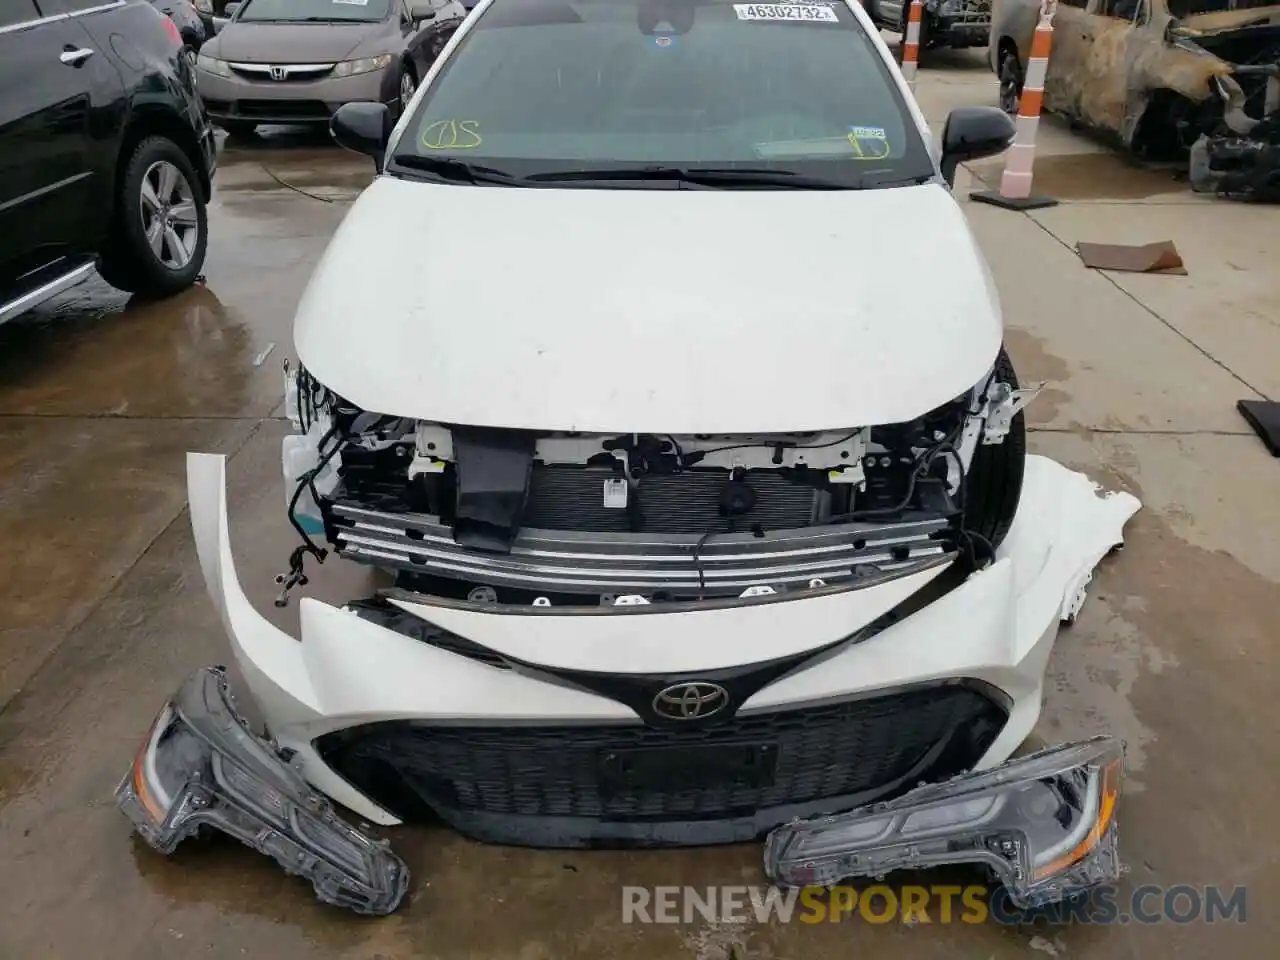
[106,152]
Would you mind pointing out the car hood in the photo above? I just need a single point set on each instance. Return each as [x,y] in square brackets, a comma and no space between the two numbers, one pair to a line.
[655,311]
[290,42]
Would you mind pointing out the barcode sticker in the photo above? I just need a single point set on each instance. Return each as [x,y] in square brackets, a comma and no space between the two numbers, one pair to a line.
[615,494]
[786,12]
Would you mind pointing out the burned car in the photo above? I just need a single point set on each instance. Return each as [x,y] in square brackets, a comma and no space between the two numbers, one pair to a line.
[704,519]
[1167,78]
[956,24]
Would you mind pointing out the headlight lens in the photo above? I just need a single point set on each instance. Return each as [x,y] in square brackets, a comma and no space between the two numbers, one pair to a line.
[201,767]
[1044,824]
[204,6]
[208,64]
[349,68]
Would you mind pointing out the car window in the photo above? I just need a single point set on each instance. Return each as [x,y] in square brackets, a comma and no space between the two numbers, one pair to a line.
[551,85]
[17,11]
[1123,9]
[318,11]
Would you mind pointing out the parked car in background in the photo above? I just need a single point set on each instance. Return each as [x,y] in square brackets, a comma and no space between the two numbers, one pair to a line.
[946,23]
[194,25]
[297,61]
[106,160]
[1159,76]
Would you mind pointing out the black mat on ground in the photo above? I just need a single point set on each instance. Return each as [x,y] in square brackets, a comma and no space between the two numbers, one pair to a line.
[1264,417]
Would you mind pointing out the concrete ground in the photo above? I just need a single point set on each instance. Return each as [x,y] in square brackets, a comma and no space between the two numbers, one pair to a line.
[104,610]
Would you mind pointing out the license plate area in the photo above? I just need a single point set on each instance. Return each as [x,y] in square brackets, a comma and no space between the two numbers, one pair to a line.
[702,767]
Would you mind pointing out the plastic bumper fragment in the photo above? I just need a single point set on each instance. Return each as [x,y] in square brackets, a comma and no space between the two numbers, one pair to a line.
[201,767]
[1045,825]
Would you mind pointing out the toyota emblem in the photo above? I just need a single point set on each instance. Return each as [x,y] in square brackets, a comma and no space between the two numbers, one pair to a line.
[690,701]
[279,73]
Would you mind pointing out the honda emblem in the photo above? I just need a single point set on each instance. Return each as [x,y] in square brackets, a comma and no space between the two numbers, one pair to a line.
[279,73]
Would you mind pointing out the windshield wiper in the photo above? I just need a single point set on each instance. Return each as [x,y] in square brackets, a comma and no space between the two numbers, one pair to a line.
[456,169]
[702,176]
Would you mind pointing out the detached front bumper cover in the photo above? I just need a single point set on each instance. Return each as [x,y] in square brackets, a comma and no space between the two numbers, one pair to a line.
[1044,824]
[201,766]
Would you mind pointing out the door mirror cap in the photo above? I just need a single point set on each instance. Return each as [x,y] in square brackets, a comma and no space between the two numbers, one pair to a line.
[230,10]
[363,127]
[421,10]
[972,133]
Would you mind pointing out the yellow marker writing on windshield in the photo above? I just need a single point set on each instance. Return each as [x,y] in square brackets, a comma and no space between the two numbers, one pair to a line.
[869,143]
[452,135]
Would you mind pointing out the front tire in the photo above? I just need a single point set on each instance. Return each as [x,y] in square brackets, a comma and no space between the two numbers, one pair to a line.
[993,483]
[1010,81]
[160,229]
[406,86]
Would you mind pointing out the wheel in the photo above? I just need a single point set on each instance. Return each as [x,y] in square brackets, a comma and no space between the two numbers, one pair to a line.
[1010,81]
[159,230]
[408,86]
[242,129]
[993,483]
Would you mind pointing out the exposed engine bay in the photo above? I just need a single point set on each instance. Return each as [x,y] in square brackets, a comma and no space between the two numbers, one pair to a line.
[493,515]
[1240,157]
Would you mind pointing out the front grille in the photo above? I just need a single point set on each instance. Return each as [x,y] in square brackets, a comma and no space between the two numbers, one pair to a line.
[281,109]
[572,498]
[862,750]
[609,563]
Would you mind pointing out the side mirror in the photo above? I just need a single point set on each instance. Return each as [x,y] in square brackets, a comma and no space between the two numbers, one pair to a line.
[421,11]
[230,10]
[363,127]
[972,133]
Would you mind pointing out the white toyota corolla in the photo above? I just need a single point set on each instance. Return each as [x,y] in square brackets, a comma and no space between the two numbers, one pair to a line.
[660,366]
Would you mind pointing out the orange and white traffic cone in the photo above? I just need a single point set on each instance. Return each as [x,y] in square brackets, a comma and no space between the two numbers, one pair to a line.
[1015,182]
[911,43]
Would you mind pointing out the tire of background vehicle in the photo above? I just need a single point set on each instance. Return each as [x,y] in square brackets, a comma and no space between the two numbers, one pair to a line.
[129,261]
[993,483]
[407,76]
[1010,81]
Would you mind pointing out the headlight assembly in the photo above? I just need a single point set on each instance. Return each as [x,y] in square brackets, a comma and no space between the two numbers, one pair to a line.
[349,68]
[1045,824]
[208,64]
[200,766]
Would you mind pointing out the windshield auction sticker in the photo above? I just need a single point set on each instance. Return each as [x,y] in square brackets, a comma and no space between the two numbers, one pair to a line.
[869,143]
[794,12]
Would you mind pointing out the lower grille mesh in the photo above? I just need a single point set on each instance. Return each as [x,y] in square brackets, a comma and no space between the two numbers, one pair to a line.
[875,747]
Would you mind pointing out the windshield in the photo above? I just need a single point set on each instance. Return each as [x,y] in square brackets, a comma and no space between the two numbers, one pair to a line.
[322,11]
[543,87]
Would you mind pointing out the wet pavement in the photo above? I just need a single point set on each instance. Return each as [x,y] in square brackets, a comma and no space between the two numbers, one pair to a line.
[105,611]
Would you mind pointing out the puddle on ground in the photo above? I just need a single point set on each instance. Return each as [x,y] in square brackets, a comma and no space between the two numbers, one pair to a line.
[1092,176]
[1033,363]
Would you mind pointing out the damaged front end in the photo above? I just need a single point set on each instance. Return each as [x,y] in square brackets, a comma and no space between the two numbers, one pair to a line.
[496,516]
[648,640]
[1236,148]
